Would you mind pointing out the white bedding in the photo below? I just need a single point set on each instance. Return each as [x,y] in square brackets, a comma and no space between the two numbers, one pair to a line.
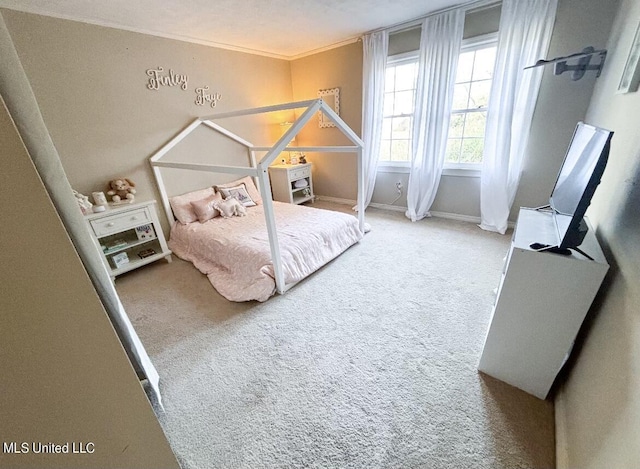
[234,252]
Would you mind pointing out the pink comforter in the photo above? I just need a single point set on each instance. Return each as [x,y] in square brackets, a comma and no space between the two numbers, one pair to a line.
[234,252]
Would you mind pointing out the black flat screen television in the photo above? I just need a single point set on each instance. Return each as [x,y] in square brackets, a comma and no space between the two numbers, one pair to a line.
[580,174]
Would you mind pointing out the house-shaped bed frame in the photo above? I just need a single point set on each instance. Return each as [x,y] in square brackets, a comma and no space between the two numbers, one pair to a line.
[259,170]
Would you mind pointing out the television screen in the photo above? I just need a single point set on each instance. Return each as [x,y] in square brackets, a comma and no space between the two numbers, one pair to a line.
[577,180]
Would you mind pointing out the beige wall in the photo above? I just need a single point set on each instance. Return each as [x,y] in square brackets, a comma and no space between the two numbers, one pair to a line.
[335,174]
[64,375]
[90,83]
[561,102]
[600,404]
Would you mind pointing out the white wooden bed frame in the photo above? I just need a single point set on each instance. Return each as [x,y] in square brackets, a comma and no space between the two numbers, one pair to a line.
[259,170]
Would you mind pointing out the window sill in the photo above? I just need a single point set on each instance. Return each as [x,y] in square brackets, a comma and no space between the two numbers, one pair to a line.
[471,171]
[393,168]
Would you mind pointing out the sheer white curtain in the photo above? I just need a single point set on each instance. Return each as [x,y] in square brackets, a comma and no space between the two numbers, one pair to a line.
[375,50]
[439,49]
[523,38]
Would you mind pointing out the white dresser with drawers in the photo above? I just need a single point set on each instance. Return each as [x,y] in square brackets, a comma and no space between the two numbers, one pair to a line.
[129,236]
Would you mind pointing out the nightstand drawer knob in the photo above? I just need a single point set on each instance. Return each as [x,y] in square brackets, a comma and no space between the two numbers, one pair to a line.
[110,224]
[134,218]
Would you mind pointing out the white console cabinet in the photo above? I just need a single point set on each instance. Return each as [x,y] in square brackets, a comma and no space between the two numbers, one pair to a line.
[541,303]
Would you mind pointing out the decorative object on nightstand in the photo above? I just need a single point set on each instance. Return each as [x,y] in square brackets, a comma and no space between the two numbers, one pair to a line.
[121,190]
[146,253]
[145,232]
[130,236]
[100,201]
[83,202]
[292,183]
[119,259]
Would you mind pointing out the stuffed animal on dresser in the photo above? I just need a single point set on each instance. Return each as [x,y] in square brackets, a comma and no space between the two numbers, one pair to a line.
[121,189]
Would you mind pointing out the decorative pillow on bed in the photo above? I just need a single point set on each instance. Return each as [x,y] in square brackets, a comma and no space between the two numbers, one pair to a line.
[239,192]
[251,188]
[181,204]
[205,209]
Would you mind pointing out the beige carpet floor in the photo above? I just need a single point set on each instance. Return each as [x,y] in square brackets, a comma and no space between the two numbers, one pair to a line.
[369,363]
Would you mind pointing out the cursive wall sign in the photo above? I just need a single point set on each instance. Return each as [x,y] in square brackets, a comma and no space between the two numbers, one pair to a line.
[203,96]
[157,79]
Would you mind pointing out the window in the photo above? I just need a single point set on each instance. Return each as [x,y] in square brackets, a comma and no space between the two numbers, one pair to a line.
[400,87]
[470,100]
[469,113]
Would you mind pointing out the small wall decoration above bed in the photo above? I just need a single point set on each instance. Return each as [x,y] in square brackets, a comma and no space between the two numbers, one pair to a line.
[158,78]
[332,98]
[203,96]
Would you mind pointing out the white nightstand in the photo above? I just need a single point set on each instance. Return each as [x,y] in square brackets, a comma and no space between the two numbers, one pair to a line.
[129,236]
[286,180]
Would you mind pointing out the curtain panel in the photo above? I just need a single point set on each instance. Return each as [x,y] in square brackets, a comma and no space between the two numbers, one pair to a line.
[375,51]
[523,38]
[440,43]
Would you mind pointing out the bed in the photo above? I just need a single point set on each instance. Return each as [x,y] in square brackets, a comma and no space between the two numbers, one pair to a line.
[275,245]
[235,255]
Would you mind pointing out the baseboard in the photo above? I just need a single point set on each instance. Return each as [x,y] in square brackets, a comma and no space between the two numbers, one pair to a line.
[455,216]
[336,200]
[393,208]
[447,215]
[562,452]
[398,208]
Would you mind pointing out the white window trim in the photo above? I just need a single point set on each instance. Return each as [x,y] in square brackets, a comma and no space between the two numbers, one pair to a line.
[470,169]
[405,57]
[478,42]
[398,166]
[393,167]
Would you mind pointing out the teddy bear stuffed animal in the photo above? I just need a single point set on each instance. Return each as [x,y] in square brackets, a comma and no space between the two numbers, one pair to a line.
[121,189]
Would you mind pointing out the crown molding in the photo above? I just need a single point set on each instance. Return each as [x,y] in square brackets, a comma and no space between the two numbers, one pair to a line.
[179,37]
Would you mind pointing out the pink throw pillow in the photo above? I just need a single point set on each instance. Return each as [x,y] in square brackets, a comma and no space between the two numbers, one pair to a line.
[181,204]
[205,209]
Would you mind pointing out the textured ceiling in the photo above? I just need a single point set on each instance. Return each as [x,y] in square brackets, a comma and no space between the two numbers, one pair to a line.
[279,28]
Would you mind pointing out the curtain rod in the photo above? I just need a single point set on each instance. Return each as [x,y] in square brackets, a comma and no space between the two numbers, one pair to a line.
[473,5]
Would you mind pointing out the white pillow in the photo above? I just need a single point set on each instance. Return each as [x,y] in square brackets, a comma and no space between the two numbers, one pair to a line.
[253,191]
[239,192]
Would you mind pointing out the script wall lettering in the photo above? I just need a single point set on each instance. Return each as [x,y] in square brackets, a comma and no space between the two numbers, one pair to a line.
[158,79]
[203,96]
